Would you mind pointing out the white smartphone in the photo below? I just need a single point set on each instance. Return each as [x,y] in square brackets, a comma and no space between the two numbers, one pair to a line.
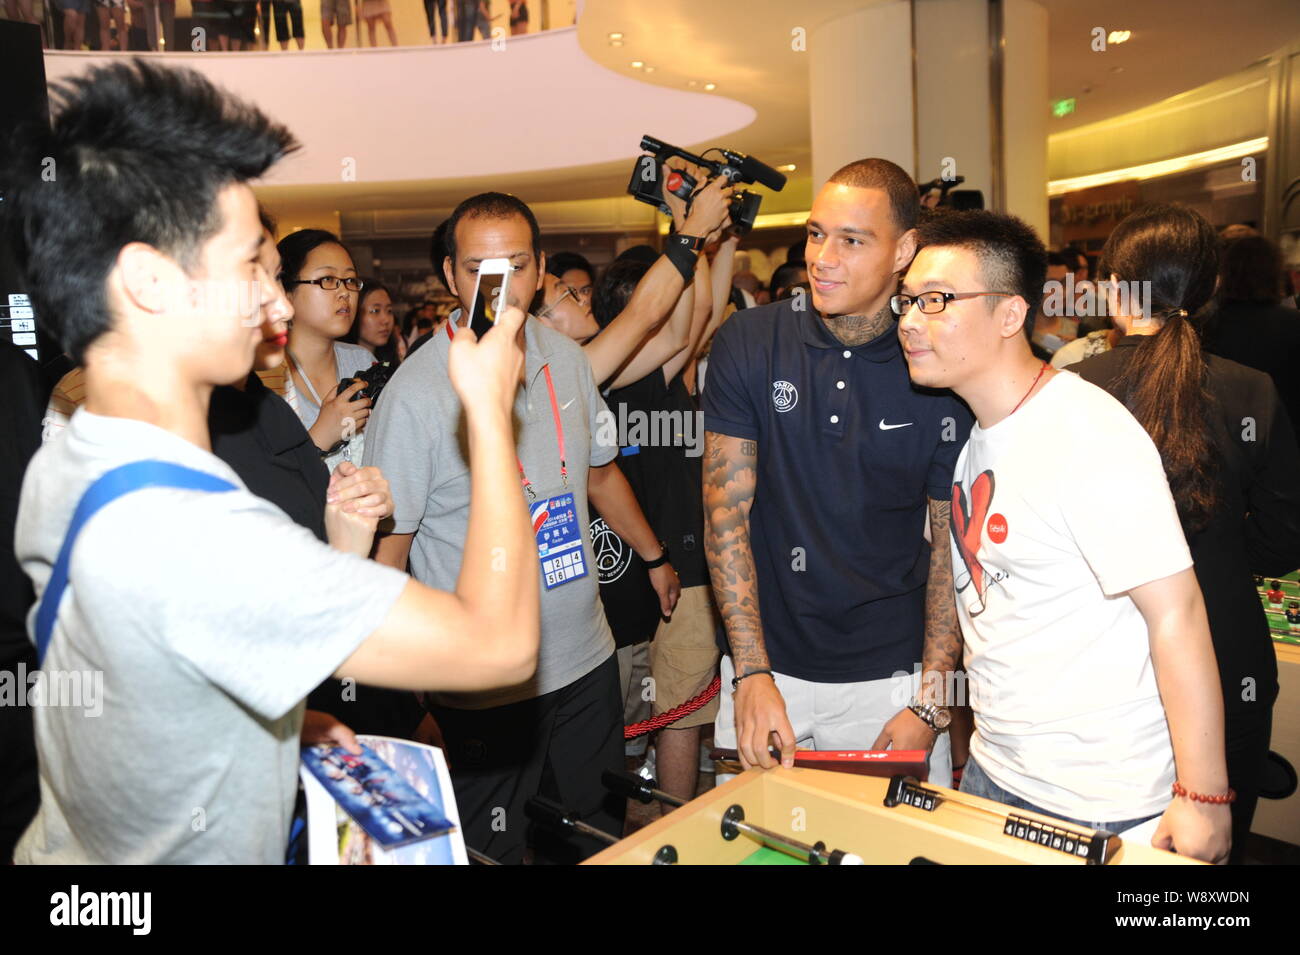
[491,294]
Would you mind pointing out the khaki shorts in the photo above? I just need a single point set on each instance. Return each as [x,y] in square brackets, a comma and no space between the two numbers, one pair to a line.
[340,11]
[684,657]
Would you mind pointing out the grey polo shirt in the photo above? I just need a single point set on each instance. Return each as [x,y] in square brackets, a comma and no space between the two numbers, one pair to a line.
[417,436]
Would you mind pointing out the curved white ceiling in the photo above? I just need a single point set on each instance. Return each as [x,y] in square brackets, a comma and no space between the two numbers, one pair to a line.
[461,111]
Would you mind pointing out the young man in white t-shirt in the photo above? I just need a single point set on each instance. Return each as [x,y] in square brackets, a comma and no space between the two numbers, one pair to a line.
[1088,652]
[209,615]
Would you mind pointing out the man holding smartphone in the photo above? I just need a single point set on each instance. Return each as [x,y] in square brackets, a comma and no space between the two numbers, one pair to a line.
[555,733]
[199,678]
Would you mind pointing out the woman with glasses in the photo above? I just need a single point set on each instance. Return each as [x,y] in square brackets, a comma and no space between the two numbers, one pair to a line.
[1228,451]
[322,283]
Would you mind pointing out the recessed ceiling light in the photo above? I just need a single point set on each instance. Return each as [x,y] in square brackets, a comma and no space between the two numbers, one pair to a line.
[649,69]
[710,86]
[616,36]
[637,64]
[615,42]
[788,167]
[1118,36]
[693,83]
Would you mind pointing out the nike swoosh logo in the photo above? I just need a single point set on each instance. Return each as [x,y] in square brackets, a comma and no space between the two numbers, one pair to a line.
[565,406]
[891,427]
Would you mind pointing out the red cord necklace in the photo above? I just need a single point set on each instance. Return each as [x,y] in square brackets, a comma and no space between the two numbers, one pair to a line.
[1031,388]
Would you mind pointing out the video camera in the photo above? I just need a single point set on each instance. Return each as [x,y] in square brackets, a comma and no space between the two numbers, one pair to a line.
[645,185]
[950,197]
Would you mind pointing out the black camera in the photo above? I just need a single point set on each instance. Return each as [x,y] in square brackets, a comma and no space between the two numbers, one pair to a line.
[375,377]
[645,185]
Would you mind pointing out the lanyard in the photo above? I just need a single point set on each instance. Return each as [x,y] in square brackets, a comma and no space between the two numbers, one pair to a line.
[559,430]
[303,372]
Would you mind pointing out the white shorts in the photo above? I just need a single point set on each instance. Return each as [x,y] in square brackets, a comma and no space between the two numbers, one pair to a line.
[834,716]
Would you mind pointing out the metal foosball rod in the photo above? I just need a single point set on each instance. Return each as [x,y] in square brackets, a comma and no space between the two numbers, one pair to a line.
[479,858]
[637,787]
[546,812]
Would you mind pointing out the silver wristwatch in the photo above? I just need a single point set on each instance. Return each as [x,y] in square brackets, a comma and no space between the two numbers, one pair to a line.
[935,717]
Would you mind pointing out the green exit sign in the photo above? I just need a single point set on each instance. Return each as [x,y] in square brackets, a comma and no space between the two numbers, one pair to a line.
[1063,107]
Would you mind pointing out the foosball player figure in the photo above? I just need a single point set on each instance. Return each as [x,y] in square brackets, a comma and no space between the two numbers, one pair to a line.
[1293,615]
[1275,595]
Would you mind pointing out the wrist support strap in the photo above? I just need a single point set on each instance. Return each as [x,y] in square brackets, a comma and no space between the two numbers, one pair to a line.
[680,251]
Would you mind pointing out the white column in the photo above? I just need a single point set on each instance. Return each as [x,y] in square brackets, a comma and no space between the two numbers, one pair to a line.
[860,88]
[863,100]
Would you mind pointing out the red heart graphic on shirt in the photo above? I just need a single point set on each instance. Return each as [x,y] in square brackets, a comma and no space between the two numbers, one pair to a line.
[967,523]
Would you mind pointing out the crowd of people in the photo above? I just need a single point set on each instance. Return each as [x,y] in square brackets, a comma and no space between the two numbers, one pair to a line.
[899,525]
[234,25]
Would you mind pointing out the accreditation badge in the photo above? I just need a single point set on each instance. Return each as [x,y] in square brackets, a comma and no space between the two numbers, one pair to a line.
[559,540]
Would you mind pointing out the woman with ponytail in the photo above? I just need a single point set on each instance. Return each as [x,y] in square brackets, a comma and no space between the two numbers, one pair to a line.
[1228,451]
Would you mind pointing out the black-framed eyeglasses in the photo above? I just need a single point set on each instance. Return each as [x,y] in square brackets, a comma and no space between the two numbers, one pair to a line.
[932,303]
[330,283]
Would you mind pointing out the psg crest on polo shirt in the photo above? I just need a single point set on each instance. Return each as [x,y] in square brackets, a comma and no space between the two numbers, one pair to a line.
[784,395]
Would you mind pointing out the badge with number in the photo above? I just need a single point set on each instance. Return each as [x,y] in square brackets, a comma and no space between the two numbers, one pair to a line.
[559,540]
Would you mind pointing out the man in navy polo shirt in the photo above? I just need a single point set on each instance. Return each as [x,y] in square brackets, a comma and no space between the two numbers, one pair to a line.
[821,461]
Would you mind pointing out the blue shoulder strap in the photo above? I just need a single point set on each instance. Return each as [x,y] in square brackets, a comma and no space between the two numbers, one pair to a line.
[109,487]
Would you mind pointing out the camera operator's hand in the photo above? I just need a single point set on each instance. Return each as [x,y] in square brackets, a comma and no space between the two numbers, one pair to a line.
[710,208]
[720,234]
[676,204]
[485,373]
[340,416]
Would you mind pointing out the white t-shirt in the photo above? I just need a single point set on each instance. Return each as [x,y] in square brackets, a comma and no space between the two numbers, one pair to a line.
[208,618]
[1058,511]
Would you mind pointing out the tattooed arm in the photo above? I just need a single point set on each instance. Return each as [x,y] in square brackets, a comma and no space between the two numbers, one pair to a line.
[942,650]
[730,477]
[943,642]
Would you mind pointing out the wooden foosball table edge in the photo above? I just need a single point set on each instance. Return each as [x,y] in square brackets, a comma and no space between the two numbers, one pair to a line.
[847,812]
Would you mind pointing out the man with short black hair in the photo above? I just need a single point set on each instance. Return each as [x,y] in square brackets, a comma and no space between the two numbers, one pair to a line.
[207,612]
[1092,675]
[787,277]
[821,465]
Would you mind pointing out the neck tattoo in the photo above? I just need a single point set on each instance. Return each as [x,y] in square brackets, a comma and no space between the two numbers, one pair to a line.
[859,329]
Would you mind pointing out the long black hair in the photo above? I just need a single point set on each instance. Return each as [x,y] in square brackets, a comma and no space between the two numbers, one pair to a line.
[1174,252]
[388,350]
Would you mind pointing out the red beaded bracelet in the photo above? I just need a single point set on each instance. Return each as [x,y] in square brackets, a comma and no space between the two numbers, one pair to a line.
[1228,797]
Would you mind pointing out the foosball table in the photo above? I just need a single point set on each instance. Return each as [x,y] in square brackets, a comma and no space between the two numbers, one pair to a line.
[802,816]
[1280,597]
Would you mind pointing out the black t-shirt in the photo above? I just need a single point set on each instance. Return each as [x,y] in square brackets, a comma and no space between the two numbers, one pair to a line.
[631,604]
[676,476]
[1256,531]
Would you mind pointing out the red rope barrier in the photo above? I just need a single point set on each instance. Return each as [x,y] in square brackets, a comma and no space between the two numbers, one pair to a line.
[676,713]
